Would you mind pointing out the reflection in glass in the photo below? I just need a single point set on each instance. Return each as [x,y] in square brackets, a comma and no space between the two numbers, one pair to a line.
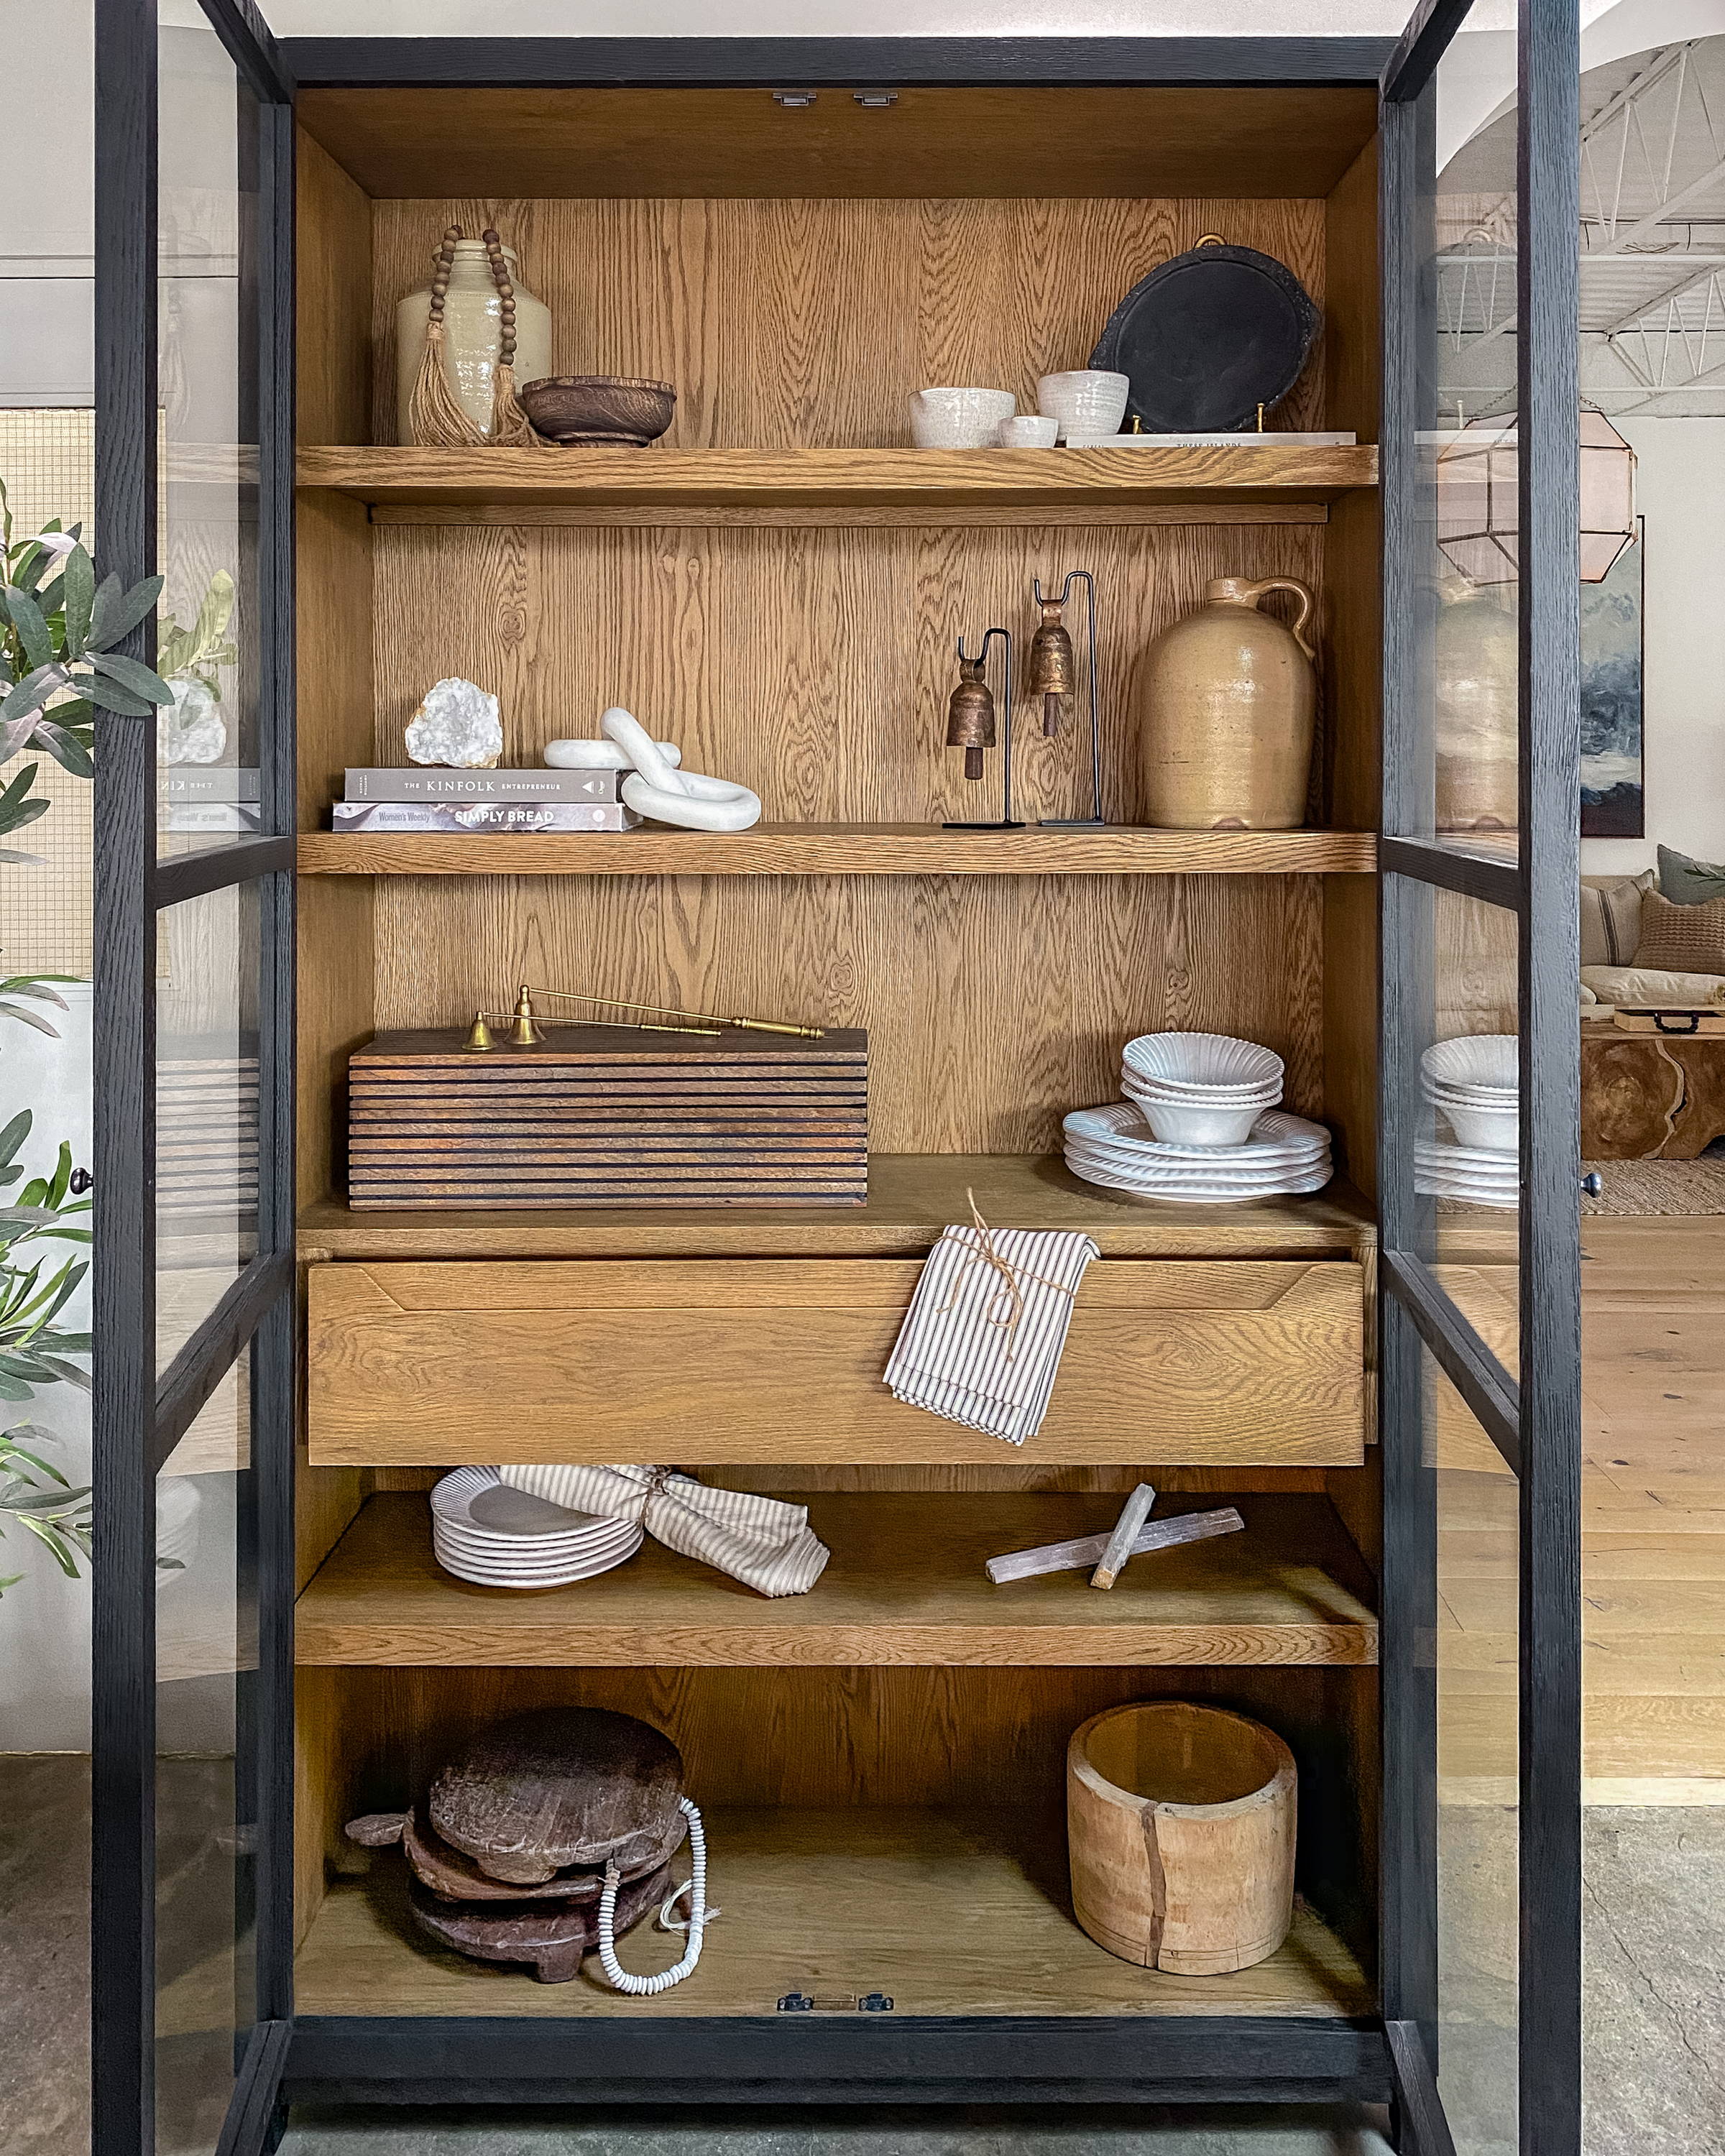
[206,1106]
[206,1815]
[1476,1655]
[207,620]
[1462,995]
[1469,660]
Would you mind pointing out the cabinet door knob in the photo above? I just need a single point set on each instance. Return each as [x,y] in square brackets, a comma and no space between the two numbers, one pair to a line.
[1594,1185]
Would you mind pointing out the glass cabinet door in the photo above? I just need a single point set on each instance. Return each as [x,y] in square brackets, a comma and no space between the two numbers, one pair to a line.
[192,1137]
[1478,1126]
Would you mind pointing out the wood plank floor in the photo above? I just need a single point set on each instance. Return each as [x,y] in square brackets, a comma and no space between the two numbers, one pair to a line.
[1653,1535]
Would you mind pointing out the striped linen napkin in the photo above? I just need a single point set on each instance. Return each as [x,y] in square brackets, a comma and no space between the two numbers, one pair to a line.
[981,1342]
[767,1544]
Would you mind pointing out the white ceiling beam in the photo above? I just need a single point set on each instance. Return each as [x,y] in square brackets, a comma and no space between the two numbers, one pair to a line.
[1665,299]
[1624,243]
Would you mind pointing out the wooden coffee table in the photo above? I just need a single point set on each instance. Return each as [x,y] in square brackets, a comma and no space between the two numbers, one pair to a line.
[1646,1095]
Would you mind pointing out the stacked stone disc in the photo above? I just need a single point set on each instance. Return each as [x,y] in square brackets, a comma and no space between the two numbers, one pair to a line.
[508,1849]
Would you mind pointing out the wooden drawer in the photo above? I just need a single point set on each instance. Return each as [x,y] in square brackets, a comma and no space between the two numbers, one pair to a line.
[697,1360]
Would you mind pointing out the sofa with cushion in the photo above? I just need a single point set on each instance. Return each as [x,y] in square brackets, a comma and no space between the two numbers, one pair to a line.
[1656,939]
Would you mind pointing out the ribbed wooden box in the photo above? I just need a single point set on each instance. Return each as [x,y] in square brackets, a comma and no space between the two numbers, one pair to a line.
[599,1116]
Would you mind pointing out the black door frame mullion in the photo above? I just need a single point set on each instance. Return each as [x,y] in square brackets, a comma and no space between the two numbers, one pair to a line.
[123,1379]
[1548,396]
[1535,1424]
[273,1371]
[137,1416]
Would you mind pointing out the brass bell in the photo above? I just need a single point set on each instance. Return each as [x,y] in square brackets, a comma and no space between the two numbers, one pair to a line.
[970,716]
[481,1040]
[524,1032]
[1054,671]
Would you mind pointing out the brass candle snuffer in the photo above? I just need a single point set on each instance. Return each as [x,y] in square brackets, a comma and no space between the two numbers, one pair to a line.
[528,1021]
[971,727]
[1053,673]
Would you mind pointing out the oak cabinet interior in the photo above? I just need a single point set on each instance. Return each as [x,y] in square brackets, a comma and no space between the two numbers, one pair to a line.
[777,587]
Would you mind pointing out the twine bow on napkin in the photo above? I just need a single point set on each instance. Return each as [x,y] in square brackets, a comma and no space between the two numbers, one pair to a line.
[981,1341]
[765,1543]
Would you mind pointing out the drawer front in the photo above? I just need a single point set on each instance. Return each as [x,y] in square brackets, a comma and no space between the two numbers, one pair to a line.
[699,1361]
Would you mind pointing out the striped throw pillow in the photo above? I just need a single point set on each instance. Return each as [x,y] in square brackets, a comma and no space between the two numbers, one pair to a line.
[1611,919]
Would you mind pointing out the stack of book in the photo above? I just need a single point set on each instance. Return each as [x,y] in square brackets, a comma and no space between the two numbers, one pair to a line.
[609,1116]
[427,798]
[197,798]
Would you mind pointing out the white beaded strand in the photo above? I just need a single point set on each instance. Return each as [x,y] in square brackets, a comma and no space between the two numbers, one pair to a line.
[645,1986]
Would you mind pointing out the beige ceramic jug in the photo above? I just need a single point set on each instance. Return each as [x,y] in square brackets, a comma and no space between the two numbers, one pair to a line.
[1231,698]
[473,317]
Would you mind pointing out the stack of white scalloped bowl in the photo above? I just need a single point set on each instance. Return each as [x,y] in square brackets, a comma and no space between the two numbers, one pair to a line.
[485,1531]
[1471,1081]
[1199,1126]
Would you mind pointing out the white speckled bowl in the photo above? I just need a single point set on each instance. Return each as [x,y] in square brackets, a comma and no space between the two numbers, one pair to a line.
[1085,400]
[959,418]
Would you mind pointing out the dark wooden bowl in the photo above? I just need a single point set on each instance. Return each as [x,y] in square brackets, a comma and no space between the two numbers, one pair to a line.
[598,409]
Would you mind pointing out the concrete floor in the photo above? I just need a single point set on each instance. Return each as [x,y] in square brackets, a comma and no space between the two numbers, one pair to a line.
[1008,2132]
[1655,2062]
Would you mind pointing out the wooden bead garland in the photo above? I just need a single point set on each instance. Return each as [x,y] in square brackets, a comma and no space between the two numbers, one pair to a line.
[436,418]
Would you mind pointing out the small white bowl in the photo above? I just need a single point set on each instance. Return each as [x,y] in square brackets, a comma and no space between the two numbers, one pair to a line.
[1197,1097]
[1177,1123]
[1488,1060]
[1028,430]
[959,418]
[1203,1061]
[1490,1130]
[1084,400]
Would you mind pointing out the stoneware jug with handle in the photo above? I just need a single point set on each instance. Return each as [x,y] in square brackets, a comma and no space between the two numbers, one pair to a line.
[1231,698]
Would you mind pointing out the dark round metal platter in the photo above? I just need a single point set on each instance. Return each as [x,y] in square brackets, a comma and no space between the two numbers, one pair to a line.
[1208,337]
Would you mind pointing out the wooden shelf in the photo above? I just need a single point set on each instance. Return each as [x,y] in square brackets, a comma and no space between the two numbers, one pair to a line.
[905,1585]
[949,1912]
[838,486]
[911,1198]
[801,849]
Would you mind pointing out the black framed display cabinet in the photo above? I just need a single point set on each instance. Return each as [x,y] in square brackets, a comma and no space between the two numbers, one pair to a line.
[798,235]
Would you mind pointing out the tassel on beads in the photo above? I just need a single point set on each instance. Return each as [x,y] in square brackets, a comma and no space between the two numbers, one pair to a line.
[435,418]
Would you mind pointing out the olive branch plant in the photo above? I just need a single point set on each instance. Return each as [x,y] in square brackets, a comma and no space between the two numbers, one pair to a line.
[36,1350]
[58,664]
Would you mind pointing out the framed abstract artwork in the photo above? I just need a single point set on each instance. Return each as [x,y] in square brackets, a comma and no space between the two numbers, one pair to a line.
[1611,699]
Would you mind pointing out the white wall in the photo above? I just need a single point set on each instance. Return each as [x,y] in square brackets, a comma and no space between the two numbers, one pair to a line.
[1681,494]
[47,139]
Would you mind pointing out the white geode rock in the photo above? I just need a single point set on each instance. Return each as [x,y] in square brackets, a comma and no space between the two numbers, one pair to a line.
[458,724]
[190,730]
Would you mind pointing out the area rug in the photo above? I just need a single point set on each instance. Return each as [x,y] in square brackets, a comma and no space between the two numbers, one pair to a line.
[1650,1187]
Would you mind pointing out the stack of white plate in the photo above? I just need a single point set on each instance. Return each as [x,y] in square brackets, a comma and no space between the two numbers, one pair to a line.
[484,1530]
[1113,1146]
[1472,1083]
[1200,1089]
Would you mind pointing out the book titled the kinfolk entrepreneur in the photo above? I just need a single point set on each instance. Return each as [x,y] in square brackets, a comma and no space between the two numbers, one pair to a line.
[432,782]
[485,815]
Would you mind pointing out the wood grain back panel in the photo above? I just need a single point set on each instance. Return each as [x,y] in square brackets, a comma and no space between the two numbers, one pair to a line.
[812,665]
[994,1005]
[807,323]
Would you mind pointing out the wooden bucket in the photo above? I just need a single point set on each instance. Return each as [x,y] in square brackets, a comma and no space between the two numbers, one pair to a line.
[1180,1830]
